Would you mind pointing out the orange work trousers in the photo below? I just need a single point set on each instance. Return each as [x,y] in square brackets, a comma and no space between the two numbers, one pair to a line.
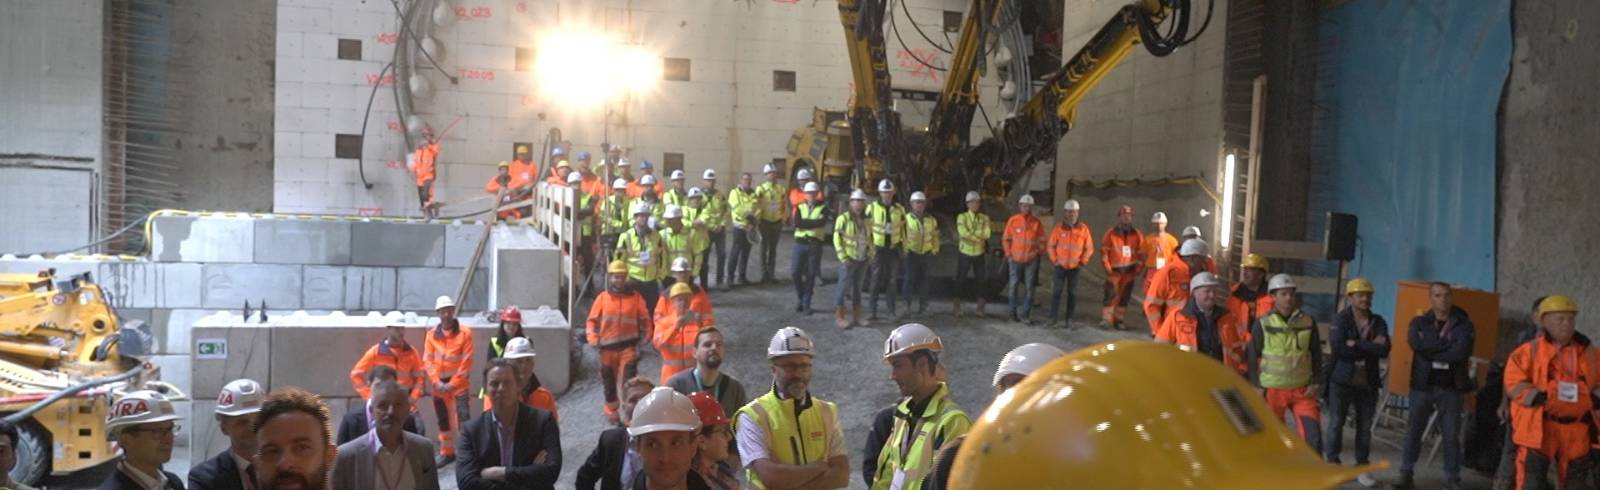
[1566,446]
[1305,413]
[451,410]
[1119,287]
[618,364]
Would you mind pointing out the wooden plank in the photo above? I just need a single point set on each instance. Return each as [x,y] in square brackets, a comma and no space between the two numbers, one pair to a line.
[1288,250]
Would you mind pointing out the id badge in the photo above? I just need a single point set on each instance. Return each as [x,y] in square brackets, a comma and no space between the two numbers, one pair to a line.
[644,257]
[1567,392]
[1127,251]
[1440,365]
[772,206]
[899,481]
[1160,262]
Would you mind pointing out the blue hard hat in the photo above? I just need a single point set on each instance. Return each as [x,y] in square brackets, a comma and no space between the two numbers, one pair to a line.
[583,155]
[646,164]
[558,151]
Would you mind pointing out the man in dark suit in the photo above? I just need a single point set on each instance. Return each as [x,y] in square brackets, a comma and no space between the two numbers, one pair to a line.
[614,461]
[512,446]
[387,456]
[144,424]
[232,469]
[356,423]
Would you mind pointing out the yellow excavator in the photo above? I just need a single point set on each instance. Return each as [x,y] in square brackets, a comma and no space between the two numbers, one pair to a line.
[61,363]
[939,159]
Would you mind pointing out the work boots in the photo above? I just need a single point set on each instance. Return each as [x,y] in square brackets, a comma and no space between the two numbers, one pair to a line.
[838,317]
[856,318]
[956,304]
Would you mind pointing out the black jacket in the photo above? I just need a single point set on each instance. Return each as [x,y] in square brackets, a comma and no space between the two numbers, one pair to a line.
[478,447]
[218,473]
[639,482]
[354,424]
[120,481]
[1365,351]
[604,465]
[877,437]
[1454,349]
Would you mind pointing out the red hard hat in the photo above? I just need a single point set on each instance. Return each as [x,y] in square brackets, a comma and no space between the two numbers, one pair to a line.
[710,410]
[511,314]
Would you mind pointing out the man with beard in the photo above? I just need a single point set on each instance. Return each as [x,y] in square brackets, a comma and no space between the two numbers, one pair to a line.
[388,456]
[296,451]
[665,431]
[926,418]
[236,413]
[707,374]
[814,455]
[514,446]
[144,425]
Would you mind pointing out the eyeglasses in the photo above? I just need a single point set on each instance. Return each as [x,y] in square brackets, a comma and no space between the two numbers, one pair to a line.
[158,431]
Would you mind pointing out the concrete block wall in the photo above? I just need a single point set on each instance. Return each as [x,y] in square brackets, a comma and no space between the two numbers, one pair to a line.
[726,117]
[1149,118]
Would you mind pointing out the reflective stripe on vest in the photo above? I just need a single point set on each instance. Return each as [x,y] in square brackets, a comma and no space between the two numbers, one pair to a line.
[809,211]
[887,222]
[1286,351]
[640,254]
[849,239]
[915,461]
[973,229]
[792,439]
[922,234]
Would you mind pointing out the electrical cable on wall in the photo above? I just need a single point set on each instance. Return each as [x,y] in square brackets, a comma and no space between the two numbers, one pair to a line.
[1197,181]
[919,30]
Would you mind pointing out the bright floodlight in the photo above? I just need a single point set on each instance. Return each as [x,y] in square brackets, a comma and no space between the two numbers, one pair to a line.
[585,69]
[1227,201]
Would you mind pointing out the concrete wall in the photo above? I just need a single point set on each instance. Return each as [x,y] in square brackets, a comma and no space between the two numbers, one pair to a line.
[727,117]
[223,150]
[1548,159]
[50,132]
[1151,118]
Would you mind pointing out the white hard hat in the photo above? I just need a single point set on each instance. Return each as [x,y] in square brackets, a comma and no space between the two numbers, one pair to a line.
[1193,247]
[641,208]
[885,186]
[622,162]
[803,174]
[858,195]
[647,179]
[1159,217]
[790,341]
[673,211]
[443,302]
[663,410]
[677,175]
[680,264]
[973,196]
[1191,231]
[709,175]
[769,169]
[1204,279]
[620,183]
[518,348]
[811,187]
[1025,359]
[911,337]
[240,397]
[1070,205]
[1280,281]
[574,178]
[695,192]
[139,407]
[918,196]
[1026,199]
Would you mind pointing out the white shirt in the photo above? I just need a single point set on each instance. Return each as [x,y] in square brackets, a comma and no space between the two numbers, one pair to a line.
[243,466]
[394,471]
[752,439]
[157,482]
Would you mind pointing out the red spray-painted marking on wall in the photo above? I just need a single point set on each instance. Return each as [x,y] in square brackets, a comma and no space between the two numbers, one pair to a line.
[529,101]
[395,164]
[395,126]
[388,38]
[475,74]
[369,212]
[908,59]
[474,12]
[386,80]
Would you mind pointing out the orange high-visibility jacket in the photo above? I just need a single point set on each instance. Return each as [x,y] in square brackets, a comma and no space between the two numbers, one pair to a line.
[1244,312]
[1023,239]
[1119,250]
[617,319]
[1542,365]
[635,189]
[674,338]
[527,171]
[448,358]
[423,163]
[1158,250]
[1167,291]
[408,367]
[1071,247]
[1180,328]
[700,303]
[595,188]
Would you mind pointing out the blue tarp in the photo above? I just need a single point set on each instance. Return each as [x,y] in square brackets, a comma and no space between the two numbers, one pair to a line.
[1408,142]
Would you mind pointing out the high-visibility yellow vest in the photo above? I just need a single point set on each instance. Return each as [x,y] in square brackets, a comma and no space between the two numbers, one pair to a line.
[922,234]
[888,221]
[1286,350]
[679,244]
[742,206]
[614,214]
[715,211]
[850,240]
[794,437]
[586,225]
[642,254]
[907,457]
[770,197]
[973,230]
[656,210]
[675,197]
[810,211]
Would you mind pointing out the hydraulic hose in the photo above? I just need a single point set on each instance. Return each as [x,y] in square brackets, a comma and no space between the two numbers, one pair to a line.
[26,413]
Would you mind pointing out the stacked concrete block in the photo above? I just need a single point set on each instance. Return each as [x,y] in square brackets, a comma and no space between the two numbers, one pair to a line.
[525,268]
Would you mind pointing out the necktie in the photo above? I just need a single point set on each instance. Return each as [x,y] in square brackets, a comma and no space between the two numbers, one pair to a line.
[250,478]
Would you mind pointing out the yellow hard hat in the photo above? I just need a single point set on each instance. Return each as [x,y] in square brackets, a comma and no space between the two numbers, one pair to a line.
[680,289]
[1255,261]
[1358,285]
[1557,303]
[1138,414]
[617,267]
[503,164]
[563,164]
[522,148]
